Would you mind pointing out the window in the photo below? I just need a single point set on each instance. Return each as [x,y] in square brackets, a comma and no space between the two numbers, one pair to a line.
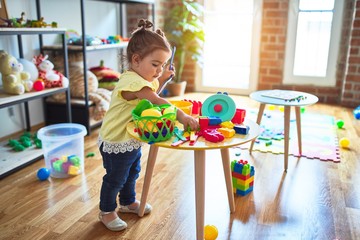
[232,34]
[312,46]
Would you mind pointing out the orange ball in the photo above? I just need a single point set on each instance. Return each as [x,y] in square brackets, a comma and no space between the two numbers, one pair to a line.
[210,232]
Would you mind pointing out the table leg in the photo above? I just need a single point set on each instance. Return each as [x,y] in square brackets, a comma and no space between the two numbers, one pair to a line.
[286,135]
[228,178]
[199,164]
[298,126]
[148,175]
[258,121]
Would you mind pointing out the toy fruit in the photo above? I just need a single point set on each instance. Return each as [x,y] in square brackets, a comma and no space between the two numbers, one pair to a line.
[169,110]
[151,112]
[141,106]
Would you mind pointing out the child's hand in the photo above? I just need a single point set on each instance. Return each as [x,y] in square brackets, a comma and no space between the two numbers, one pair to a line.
[168,71]
[188,121]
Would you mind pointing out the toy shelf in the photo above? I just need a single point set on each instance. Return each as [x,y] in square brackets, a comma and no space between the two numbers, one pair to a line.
[10,160]
[82,112]
[79,48]
[7,100]
[24,31]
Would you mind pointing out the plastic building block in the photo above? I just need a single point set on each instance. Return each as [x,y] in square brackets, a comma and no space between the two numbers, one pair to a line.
[242,129]
[196,109]
[242,177]
[227,124]
[228,133]
[239,116]
[73,170]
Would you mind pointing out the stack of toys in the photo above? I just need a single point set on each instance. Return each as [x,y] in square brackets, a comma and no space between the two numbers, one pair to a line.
[70,165]
[242,177]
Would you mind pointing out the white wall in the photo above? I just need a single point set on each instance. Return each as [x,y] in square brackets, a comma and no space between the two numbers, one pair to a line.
[101,20]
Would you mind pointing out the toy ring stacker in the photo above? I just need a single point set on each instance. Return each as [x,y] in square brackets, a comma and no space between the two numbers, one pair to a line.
[219,105]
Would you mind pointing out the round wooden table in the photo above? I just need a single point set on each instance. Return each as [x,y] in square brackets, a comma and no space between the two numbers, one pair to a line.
[286,98]
[199,149]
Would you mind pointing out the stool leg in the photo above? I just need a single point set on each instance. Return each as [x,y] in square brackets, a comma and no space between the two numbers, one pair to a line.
[286,137]
[298,126]
[199,163]
[147,179]
[228,179]
[258,121]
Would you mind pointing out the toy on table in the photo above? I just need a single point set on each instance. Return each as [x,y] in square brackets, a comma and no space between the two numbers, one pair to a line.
[154,123]
[210,232]
[47,74]
[219,105]
[14,79]
[106,77]
[242,177]
[43,174]
[196,107]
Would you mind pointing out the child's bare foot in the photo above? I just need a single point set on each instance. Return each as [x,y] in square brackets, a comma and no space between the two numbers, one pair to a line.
[112,221]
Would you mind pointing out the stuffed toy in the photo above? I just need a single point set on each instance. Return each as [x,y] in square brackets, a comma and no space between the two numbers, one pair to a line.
[47,73]
[14,79]
[106,76]
[99,96]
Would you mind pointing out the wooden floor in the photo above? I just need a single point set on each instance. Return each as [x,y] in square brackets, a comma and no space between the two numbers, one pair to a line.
[313,200]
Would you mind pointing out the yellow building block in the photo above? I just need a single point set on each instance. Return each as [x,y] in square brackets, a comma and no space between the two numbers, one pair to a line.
[228,133]
[73,170]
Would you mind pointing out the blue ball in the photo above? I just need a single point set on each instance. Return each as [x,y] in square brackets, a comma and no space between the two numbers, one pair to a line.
[43,174]
[357,113]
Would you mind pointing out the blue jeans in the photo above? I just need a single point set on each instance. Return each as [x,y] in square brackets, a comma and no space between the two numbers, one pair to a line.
[122,170]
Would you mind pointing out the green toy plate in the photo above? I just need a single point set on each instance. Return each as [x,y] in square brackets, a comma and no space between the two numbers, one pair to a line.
[219,105]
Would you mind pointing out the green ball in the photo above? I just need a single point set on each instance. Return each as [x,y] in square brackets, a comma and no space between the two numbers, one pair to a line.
[340,123]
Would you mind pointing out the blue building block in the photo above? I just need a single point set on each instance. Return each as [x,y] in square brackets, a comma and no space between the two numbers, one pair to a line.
[242,129]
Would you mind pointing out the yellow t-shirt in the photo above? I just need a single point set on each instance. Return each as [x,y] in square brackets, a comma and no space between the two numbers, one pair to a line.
[113,132]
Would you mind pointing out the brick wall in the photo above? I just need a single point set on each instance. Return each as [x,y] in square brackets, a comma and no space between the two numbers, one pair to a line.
[272,52]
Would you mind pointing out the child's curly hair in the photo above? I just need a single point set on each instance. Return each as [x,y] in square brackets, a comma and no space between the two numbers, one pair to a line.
[144,40]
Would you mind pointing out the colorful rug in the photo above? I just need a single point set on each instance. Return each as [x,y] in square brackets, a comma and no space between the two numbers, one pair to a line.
[319,138]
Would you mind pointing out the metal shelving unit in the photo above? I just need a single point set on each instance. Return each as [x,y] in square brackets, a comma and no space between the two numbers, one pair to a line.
[11,161]
[82,110]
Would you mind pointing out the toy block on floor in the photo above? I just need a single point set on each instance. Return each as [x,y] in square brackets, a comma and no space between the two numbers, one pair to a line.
[242,177]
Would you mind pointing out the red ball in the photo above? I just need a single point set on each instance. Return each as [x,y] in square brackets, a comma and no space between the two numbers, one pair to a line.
[39,85]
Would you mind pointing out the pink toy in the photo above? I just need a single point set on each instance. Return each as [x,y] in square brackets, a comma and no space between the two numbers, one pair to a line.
[212,135]
[50,77]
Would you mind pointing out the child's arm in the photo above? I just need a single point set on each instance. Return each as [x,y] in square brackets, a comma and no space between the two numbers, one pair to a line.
[186,120]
